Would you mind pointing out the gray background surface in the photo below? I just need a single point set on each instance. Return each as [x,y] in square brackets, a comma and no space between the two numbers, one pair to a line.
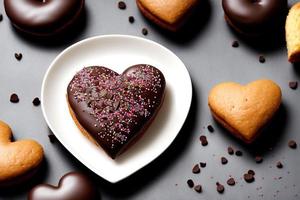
[205,48]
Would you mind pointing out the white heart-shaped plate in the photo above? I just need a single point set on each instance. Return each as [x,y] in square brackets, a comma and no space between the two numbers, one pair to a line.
[117,52]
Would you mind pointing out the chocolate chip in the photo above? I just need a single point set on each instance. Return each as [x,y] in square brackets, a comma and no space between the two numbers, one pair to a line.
[279,165]
[18,56]
[210,128]
[224,161]
[36,101]
[262,59]
[292,144]
[258,159]
[293,85]
[131,19]
[196,169]
[238,153]
[198,188]
[249,178]
[235,44]
[220,187]
[145,31]
[122,5]
[231,181]
[1,17]
[202,164]
[203,140]
[190,183]
[52,138]
[230,150]
[250,171]
[14,98]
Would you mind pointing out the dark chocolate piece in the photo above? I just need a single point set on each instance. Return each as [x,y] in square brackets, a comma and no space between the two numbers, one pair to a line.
[14,98]
[230,150]
[262,59]
[258,159]
[43,17]
[249,178]
[75,186]
[122,5]
[235,44]
[293,85]
[190,183]
[203,140]
[292,144]
[145,31]
[220,187]
[250,171]
[36,101]
[198,188]
[18,56]
[279,165]
[196,169]
[210,128]
[238,153]
[231,181]
[202,164]
[115,109]
[224,161]
[254,17]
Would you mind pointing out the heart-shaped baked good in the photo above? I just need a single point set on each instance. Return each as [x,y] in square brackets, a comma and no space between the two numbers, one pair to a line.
[245,110]
[72,186]
[169,14]
[292,31]
[18,160]
[112,109]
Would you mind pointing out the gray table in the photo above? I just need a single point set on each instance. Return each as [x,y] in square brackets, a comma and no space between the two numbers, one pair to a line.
[205,48]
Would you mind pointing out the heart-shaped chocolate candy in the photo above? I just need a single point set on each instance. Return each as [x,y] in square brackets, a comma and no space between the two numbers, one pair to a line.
[18,160]
[169,14]
[113,109]
[245,110]
[72,186]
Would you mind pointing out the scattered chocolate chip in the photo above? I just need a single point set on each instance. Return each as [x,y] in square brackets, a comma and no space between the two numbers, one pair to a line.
[230,150]
[52,138]
[196,169]
[235,44]
[293,85]
[231,181]
[145,31]
[262,59]
[238,153]
[203,140]
[190,183]
[279,165]
[249,178]
[220,187]
[202,164]
[292,144]
[250,171]
[18,56]
[224,161]
[210,128]
[14,98]
[1,17]
[36,101]
[122,5]
[259,159]
[131,19]
[198,188]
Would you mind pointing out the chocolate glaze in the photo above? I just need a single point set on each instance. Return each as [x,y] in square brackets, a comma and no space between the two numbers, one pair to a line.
[254,16]
[115,108]
[42,17]
[72,186]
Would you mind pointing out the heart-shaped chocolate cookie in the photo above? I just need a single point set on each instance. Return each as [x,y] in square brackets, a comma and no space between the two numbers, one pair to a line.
[169,14]
[18,160]
[113,110]
[245,110]
[72,186]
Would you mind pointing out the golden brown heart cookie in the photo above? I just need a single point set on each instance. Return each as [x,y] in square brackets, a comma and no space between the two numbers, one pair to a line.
[169,14]
[292,30]
[245,110]
[18,160]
